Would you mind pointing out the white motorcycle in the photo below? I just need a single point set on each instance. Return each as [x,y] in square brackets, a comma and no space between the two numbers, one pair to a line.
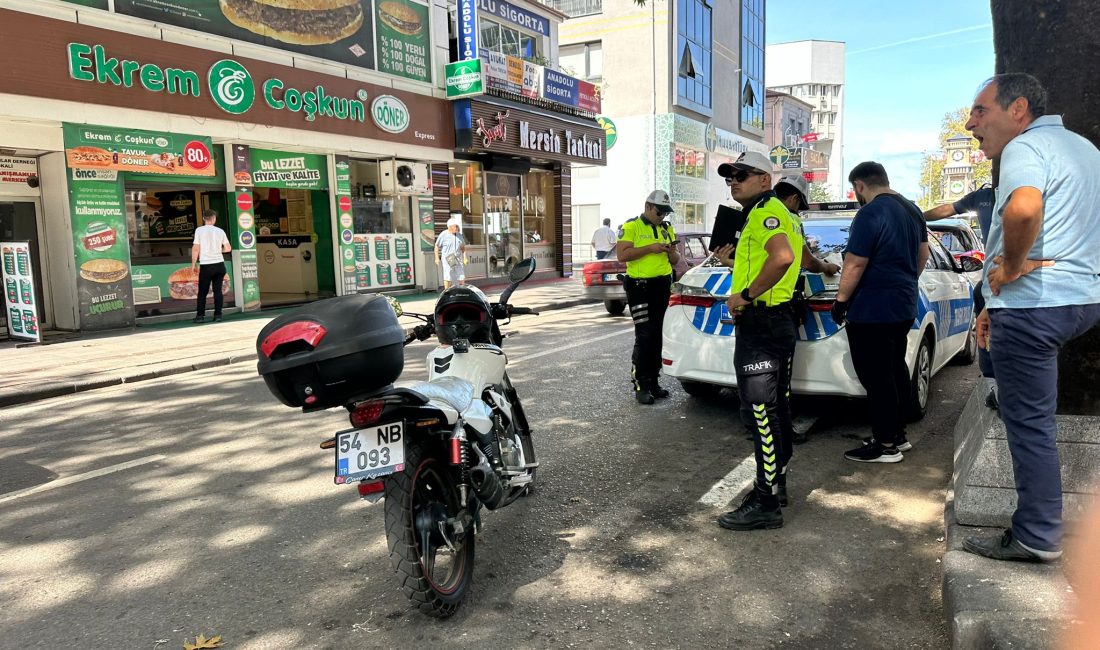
[438,450]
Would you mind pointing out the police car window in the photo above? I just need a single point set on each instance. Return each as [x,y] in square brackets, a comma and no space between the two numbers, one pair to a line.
[695,248]
[826,238]
[939,258]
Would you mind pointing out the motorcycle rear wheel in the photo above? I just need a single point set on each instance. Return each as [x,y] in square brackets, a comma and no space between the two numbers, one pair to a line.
[418,499]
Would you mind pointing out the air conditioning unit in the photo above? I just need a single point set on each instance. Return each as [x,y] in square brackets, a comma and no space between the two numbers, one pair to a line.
[404,177]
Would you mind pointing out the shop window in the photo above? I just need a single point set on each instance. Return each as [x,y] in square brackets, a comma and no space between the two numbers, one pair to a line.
[539,218]
[689,162]
[690,216]
[584,60]
[752,65]
[513,42]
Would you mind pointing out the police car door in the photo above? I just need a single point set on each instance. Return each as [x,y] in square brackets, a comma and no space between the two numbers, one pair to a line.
[946,295]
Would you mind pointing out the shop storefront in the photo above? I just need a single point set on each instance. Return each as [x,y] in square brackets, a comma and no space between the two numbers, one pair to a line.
[321,181]
[22,230]
[508,184]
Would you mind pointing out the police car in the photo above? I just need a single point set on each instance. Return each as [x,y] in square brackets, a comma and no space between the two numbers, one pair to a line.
[698,331]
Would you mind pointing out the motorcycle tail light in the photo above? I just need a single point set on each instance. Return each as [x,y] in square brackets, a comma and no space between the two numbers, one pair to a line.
[370,487]
[367,413]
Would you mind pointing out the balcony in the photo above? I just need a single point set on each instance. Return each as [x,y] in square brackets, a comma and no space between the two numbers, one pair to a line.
[575,8]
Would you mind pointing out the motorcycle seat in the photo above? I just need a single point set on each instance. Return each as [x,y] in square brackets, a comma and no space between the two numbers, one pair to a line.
[452,391]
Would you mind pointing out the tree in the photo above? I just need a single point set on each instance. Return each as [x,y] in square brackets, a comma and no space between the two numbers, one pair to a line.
[931,175]
[1058,41]
[819,193]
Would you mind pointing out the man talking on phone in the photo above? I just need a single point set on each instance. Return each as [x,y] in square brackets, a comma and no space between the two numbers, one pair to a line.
[647,246]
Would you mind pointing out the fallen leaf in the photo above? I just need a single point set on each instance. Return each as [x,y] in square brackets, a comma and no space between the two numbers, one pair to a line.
[203,643]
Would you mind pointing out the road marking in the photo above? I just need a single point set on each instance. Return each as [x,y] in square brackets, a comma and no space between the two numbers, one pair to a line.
[571,346]
[77,478]
[731,484]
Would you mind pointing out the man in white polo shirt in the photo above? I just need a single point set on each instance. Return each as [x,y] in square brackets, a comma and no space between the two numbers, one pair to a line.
[206,256]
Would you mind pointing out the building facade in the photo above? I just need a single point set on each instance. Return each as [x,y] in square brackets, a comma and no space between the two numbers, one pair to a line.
[790,140]
[688,97]
[813,71]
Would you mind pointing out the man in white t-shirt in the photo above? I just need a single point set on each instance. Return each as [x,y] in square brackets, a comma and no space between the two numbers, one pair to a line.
[604,240]
[206,257]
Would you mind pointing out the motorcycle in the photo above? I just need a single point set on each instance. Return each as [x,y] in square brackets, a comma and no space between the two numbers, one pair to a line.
[438,451]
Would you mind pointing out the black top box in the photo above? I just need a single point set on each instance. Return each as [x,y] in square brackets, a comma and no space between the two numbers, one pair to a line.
[332,351]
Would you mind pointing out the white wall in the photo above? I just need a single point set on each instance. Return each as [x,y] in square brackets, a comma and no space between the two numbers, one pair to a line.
[58,246]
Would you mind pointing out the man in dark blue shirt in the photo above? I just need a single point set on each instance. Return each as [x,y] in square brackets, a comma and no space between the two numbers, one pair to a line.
[980,202]
[887,250]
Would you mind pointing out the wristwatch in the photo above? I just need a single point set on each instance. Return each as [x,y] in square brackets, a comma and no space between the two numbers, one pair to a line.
[745,295]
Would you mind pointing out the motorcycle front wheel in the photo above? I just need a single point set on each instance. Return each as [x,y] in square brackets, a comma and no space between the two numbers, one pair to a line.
[434,563]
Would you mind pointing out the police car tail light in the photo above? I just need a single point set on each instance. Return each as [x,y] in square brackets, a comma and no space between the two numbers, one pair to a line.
[691,301]
[821,305]
[367,413]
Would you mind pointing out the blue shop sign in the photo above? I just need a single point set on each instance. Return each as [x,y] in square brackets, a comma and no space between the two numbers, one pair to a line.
[560,88]
[468,30]
[532,22]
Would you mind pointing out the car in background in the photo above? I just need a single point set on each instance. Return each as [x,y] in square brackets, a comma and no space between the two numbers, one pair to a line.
[959,238]
[601,277]
[698,337]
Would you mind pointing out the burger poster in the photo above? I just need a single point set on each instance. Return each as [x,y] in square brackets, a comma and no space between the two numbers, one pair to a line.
[126,150]
[102,254]
[404,41]
[337,30]
[176,286]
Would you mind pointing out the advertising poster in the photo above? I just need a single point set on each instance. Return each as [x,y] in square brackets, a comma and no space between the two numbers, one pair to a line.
[350,265]
[283,169]
[102,256]
[104,149]
[244,226]
[172,288]
[337,30]
[464,79]
[169,215]
[560,88]
[425,216]
[532,80]
[404,40]
[20,303]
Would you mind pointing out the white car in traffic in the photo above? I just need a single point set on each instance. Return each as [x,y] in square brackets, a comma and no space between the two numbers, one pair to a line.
[698,331]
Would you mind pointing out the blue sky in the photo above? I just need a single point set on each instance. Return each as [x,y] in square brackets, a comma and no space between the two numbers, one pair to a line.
[907,64]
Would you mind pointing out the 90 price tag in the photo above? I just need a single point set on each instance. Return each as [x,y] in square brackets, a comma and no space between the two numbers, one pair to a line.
[196,155]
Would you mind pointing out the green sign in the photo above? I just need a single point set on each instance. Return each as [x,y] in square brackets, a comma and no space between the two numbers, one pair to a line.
[426,218]
[100,152]
[228,83]
[609,129]
[300,171]
[175,284]
[94,4]
[343,177]
[464,79]
[102,255]
[401,248]
[404,42]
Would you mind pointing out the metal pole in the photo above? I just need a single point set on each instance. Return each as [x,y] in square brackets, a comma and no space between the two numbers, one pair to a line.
[653,46]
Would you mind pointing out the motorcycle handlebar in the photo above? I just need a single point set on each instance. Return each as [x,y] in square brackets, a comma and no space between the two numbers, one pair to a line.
[523,311]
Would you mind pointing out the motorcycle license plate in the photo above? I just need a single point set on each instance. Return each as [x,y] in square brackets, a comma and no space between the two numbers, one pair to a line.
[370,453]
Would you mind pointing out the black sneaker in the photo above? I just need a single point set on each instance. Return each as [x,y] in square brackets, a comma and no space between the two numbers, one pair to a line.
[216,319]
[991,401]
[658,392]
[875,453]
[643,396]
[199,319]
[753,514]
[1005,547]
[901,444]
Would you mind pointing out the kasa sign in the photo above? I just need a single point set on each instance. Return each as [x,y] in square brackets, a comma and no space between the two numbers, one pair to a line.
[231,87]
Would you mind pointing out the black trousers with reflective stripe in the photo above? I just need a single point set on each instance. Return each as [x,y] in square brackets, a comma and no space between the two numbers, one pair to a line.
[648,301]
[764,347]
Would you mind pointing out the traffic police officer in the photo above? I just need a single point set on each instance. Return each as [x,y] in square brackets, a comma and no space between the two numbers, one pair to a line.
[765,270]
[646,245]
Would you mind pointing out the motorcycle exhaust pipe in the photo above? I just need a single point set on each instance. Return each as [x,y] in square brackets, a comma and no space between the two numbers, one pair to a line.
[486,483]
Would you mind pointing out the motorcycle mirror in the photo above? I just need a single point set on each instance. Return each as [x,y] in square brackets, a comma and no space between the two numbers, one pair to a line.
[523,270]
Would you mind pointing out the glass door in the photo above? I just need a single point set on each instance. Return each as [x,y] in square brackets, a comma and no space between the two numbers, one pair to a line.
[503,229]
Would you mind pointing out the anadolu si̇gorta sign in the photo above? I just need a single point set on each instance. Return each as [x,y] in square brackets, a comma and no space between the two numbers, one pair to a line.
[228,83]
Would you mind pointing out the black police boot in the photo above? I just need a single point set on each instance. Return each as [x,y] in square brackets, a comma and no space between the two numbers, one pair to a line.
[781,490]
[759,509]
[642,393]
[656,390]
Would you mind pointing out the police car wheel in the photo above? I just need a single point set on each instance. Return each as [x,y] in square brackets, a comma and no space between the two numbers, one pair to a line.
[969,353]
[921,383]
[700,389]
[615,307]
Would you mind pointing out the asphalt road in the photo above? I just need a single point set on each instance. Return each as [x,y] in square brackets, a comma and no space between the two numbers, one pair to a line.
[219,516]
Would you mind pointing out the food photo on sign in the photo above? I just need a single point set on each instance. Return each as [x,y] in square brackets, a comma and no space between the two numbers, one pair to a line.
[337,30]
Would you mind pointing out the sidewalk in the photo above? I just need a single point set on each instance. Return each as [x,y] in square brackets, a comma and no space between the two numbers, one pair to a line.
[86,362]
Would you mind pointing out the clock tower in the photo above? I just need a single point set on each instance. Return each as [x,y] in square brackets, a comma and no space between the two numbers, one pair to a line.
[958,173]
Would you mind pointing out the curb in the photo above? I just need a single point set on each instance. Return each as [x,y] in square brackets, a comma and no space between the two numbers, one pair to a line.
[16,397]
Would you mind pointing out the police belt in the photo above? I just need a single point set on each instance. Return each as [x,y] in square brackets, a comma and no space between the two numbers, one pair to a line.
[642,283]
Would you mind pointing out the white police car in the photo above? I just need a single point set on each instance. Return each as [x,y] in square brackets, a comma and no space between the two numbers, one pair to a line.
[698,331]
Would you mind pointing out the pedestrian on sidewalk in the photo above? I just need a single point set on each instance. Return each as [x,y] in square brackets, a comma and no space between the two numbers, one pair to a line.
[980,202]
[604,240]
[645,244]
[765,269]
[450,253]
[1042,290]
[210,244]
[887,251]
